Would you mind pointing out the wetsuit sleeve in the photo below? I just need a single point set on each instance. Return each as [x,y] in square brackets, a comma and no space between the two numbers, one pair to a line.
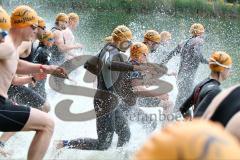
[120,66]
[174,52]
[117,65]
[186,105]
[205,102]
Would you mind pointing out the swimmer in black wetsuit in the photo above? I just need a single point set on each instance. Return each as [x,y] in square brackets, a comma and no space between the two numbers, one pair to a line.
[41,56]
[110,118]
[152,40]
[191,56]
[225,109]
[204,92]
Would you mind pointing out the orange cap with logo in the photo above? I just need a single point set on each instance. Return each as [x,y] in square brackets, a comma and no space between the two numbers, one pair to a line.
[23,16]
[194,140]
[4,20]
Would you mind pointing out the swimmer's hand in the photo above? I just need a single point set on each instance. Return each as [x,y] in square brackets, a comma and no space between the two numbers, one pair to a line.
[57,71]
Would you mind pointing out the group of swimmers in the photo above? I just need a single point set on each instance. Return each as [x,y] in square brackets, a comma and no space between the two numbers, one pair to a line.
[29,52]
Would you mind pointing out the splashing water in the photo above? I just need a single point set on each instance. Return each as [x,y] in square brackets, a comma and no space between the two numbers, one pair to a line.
[221,34]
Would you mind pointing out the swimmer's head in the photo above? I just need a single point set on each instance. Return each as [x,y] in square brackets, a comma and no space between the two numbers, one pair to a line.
[47,38]
[24,20]
[138,52]
[4,24]
[41,23]
[165,37]
[220,62]
[73,19]
[122,37]
[61,21]
[41,27]
[197,29]
[190,140]
[152,39]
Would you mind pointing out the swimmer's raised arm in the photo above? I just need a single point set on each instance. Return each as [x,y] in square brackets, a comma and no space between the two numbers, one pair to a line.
[58,36]
[25,67]
[28,79]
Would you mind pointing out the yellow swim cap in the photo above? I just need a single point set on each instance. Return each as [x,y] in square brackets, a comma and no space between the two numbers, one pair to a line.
[196,140]
[61,17]
[73,17]
[41,23]
[46,36]
[197,29]
[152,35]
[121,33]
[165,36]
[4,20]
[137,50]
[219,61]
[23,16]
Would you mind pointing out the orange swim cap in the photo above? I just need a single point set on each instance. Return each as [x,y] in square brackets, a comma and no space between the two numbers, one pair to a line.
[23,16]
[194,140]
[152,35]
[4,20]
[219,61]
[137,50]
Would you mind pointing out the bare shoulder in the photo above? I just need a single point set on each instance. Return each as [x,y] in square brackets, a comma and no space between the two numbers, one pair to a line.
[24,49]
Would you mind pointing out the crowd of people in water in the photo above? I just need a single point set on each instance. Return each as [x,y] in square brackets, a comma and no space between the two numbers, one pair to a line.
[29,51]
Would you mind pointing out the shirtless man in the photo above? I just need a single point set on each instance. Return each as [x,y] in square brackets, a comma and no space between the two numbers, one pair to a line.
[15,118]
[60,48]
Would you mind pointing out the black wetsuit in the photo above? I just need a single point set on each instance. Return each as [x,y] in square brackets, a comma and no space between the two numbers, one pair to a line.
[135,113]
[227,108]
[191,56]
[110,118]
[41,56]
[57,56]
[23,95]
[201,97]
